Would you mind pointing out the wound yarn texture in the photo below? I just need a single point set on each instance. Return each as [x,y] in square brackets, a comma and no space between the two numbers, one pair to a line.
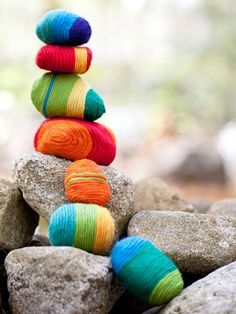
[64,59]
[85,182]
[85,226]
[66,95]
[76,139]
[60,27]
[145,271]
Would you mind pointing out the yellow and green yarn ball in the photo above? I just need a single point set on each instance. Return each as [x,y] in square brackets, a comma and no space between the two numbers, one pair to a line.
[85,226]
[66,95]
[145,271]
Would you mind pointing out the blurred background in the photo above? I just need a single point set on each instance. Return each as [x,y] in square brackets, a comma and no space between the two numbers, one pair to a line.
[166,70]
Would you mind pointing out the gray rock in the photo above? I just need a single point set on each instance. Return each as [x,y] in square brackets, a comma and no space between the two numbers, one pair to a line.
[197,243]
[154,194]
[153,310]
[202,206]
[214,294]
[59,280]
[226,207]
[39,240]
[17,220]
[41,179]
[188,159]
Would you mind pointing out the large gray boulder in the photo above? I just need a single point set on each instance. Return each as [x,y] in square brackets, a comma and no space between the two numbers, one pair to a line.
[17,220]
[214,294]
[154,194]
[188,159]
[59,280]
[202,206]
[226,207]
[41,179]
[197,243]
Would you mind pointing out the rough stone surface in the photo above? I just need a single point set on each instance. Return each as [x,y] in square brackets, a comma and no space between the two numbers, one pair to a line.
[214,294]
[154,194]
[17,220]
[41,179]
[197,243]
[60,280]
[226,207]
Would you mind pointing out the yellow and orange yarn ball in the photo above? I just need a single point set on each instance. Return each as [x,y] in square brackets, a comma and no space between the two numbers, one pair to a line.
[85,182]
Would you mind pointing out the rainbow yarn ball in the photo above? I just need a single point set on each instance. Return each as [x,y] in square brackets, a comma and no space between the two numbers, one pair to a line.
[59,27]
[85,226]
[66,95]
[85,182]
[145,271]
[64,59]
[76,139]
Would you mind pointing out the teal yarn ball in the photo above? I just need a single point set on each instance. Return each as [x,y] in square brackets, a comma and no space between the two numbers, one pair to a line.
[145,271]
[88,227]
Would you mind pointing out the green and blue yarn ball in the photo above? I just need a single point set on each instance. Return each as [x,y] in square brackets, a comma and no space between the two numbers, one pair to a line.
[145,271]
[85,226]
[66,95]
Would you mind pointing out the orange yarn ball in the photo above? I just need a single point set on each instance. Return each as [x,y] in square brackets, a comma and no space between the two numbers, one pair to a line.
[85,182]
[75,139]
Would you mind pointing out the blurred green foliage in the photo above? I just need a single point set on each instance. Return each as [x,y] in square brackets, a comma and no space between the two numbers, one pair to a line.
[194,77]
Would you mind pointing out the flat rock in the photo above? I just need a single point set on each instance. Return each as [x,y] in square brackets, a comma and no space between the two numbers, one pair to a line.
[214,294]
[197,243]
[226,207]
[60,280]
[154,194]
[17,220]
[41,179]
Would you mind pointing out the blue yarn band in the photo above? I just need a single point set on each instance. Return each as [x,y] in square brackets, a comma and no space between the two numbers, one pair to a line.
[124,254]
[64,218]
[48,94]
[61,34]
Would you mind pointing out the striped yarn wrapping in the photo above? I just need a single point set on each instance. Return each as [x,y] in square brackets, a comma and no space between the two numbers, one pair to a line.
[59,27]
[66,95]
[76,139]
[64,59]
[145,271]
[85,182]
[85,226]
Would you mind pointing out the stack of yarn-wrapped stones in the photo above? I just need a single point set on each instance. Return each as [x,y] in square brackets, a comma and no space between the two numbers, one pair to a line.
[70,106]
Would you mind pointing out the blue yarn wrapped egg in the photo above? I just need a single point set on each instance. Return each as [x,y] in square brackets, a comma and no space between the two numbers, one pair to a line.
[59,27]
[145,271]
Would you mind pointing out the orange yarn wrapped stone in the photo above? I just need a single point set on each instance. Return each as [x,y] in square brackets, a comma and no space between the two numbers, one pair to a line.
[75,139]
[85,182]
